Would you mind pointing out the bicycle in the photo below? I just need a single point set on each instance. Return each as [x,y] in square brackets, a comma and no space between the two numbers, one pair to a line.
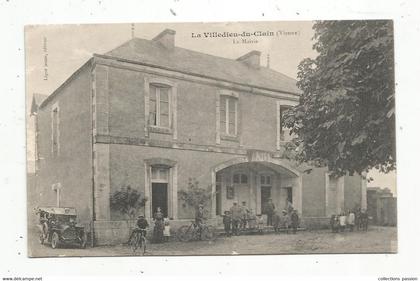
[137,240]
[191,232]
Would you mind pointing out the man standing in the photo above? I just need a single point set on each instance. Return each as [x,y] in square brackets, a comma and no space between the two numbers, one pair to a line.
[269,210]
[294,217]
[236,213]
[245,211]
[227,222]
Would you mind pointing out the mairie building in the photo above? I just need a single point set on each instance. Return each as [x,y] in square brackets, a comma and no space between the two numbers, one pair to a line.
[153,116]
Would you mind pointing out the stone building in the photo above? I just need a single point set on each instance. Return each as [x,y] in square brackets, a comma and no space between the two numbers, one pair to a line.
[382,206]
[151,115]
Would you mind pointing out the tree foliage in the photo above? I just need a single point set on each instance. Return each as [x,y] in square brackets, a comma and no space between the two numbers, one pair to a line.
[345,118]
[127,201]
[194,195]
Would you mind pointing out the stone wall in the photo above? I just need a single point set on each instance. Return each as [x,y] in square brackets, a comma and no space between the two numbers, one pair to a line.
[72,166]
[123,111]
[313,193]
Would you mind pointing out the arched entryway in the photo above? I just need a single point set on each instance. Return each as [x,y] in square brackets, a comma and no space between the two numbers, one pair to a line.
[255,180]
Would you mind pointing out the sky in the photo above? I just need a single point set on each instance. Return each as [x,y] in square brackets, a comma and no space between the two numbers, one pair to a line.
[60,50]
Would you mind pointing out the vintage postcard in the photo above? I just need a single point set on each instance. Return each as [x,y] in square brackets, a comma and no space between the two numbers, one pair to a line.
[235,138]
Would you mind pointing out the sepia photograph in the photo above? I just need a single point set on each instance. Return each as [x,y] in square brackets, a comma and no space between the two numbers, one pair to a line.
[227,138]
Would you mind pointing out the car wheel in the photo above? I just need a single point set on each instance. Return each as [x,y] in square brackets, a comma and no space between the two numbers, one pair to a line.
[55,240]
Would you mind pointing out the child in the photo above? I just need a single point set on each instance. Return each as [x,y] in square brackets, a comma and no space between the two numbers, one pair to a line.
[260,223]
[351,220]
[252,219]
[285,220]
[166,230]
[227,221]
[142,226]
[343,221]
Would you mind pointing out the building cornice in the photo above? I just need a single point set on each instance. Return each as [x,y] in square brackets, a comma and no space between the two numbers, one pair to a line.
[136,141]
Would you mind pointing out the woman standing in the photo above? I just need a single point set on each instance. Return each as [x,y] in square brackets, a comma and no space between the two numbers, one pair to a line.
[158,229]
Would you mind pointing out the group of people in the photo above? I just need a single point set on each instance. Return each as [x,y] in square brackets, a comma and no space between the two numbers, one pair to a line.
[161,229]
[241,218]
[349,220]
[288,220]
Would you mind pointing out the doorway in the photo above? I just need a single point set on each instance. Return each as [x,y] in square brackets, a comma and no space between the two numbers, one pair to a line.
[289,191]
[160,197]
[265,196]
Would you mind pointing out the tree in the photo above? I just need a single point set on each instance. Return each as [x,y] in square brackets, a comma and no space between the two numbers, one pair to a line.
[127,201]
[194,195]
[345,117]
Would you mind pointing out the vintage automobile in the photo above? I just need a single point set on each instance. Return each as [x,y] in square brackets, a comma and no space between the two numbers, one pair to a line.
[58,226]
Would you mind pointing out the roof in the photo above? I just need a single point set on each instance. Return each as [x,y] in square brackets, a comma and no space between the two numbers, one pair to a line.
[180,59]
[65,83]
[37,99]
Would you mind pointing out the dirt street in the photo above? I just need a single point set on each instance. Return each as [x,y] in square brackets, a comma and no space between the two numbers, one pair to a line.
[376,240]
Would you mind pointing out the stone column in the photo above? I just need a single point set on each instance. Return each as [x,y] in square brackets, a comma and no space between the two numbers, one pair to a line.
[258,188]
[147,193]
[174,196]
[252,199]
[297,194]
[340,195]
[213,194]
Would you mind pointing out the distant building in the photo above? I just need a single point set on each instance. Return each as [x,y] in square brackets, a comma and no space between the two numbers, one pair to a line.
[152,115]
[382,206]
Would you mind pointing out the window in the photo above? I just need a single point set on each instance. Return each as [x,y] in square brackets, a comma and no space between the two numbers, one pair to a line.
[265,180]
[159,106]
[57,189]
[229,115]
[230,192]
[284,131]
[160,174]
[240,178]
[55,131]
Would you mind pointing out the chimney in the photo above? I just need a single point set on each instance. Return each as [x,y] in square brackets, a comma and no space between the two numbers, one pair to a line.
[252,59]
[166,38]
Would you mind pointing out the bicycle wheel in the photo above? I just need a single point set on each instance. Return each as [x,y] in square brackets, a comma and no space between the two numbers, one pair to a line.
[134,241]
[184,233]
[208,233]
[142,245]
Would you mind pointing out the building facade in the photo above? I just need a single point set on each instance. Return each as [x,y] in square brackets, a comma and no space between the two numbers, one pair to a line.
[153,116]
[382,206]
